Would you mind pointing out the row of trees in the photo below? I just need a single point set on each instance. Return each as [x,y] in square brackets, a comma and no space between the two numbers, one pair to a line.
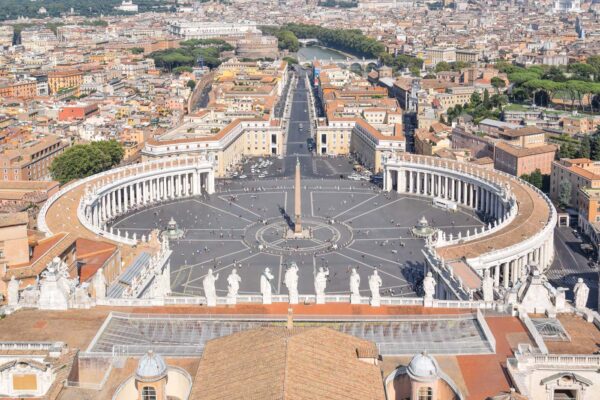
[11,9]
[587,147]
[538,180]
[578,83]
[83,160]
[209,50]
[351,41]
[479,108]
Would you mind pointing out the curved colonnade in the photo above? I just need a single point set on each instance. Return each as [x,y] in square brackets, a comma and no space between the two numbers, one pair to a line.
[520,229]
[103,197]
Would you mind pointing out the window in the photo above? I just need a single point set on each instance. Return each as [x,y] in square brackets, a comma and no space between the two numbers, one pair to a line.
[425,393]
[148,393]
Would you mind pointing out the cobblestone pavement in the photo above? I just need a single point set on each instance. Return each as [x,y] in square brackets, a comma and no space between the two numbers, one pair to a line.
[379,226]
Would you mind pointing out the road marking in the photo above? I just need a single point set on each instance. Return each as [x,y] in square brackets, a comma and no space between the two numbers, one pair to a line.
[375,209]
[237,205]
[353,207]
[224,211]
[373,268]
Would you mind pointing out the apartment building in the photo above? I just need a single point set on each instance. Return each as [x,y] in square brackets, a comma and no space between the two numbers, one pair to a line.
[29,157]
[6,35]
[64,79]
[519,161]
[579,172]
[26,89]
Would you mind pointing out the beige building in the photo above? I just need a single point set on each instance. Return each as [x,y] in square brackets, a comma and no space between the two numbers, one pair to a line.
[14,243]
[225,144]
[429,141]
[519,161]
[30,159]
[579,172]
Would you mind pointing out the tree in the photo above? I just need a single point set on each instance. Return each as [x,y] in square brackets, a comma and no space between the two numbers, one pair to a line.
[475,99]
[442,66]
[136,50]
[585,148]
[112,148]
[498,83]
[191,84]
[288,41]
[486,99]
[182,69]
[564,193]
[554,74]
[595,146]
[535,178]
[84,160]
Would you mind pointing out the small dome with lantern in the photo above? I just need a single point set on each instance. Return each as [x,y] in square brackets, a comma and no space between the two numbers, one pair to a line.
[151,367]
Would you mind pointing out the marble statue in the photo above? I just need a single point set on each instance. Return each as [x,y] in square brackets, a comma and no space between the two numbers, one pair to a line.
[233,286]
[81,296]
[99,283]
[55,287]
[354,287]
[30,297]
[487,286]
[291,282]
[321,284]
[429,287]
[13,291]
[582,292]
[210,293]
[375,283]
[265,285]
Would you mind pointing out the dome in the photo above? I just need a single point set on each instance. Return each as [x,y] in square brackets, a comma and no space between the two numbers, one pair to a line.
[151,367]
[422,367]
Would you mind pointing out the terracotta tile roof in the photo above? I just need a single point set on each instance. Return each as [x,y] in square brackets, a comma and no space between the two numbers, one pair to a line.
[277,363]
[43,253]
[92,254]
[526,131]
[12,219]
[525,152]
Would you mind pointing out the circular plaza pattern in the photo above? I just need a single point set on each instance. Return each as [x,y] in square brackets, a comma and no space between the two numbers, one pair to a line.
[484,222]
[274,236]
[352,225]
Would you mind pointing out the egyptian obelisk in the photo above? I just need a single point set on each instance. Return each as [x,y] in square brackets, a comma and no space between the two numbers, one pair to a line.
[297,200]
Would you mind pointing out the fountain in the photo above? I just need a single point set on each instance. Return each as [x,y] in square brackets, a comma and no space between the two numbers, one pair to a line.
[173,232]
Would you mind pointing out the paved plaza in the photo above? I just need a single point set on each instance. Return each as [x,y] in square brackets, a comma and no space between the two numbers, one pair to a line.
[243,225]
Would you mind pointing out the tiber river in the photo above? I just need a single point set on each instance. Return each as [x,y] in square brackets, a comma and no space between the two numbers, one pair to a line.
[310,53]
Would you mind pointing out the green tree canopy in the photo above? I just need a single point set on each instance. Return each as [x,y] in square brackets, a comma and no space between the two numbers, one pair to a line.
[83,160]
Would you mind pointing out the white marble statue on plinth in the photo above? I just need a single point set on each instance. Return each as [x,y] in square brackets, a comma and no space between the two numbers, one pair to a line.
[487,286]
[429,289]
[582,292]
[233,287]
[265,285]
[291,282]
[321,284]
[375,283]
[55,287]
[354,287]
[210,292]
[99,283]
[81,296]
[13,292]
